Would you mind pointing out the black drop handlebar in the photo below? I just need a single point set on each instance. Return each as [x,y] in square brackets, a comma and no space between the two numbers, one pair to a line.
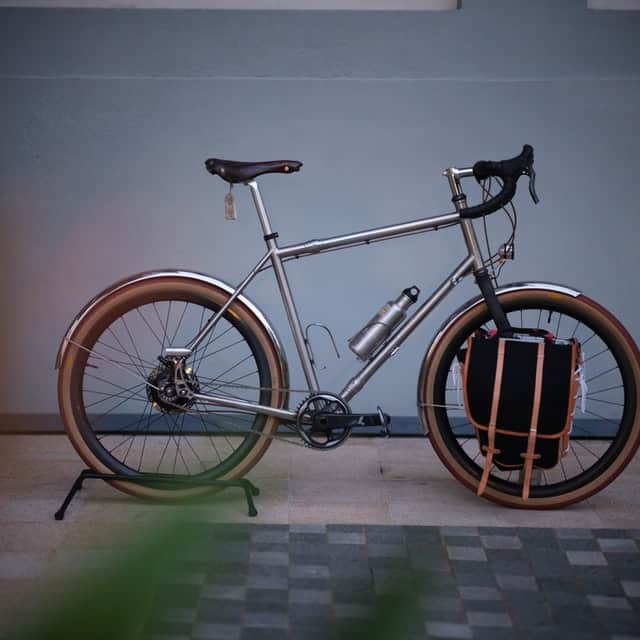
[508,171]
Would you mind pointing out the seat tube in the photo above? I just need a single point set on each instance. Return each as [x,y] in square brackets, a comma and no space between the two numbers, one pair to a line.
[285,289]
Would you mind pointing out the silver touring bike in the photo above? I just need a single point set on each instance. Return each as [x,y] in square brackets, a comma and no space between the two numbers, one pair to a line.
[177,373]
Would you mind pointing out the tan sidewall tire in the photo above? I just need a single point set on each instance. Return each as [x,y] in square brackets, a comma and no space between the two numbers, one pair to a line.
[129,293]
[426,391]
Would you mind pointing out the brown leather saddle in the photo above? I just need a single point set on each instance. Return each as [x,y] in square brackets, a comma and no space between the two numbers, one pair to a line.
[234,172]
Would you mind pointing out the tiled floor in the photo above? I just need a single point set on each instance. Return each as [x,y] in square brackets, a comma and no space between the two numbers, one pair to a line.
[345,581]
[333,529]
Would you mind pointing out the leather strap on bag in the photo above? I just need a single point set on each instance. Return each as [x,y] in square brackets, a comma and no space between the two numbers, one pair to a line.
[530,454]
[490,448]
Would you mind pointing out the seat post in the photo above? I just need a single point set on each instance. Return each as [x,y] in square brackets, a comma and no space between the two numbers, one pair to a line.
[269,236]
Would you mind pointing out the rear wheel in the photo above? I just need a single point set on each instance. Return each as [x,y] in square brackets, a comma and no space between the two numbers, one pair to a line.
[120,406]
[603,438]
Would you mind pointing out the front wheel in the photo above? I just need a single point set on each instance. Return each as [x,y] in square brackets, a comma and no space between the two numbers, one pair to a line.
[604,437]
[121,409]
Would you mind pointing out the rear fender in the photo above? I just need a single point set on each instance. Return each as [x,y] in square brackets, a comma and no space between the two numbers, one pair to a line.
[187,275]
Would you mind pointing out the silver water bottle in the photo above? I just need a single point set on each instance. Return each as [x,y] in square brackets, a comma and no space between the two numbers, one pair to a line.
[365,342]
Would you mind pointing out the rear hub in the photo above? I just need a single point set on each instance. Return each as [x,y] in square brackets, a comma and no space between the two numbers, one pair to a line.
[163,392]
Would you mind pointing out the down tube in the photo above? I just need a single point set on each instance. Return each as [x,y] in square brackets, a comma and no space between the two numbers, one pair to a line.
[360,379]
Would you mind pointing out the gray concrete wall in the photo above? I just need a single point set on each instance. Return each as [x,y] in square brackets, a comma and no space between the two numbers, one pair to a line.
[106,117]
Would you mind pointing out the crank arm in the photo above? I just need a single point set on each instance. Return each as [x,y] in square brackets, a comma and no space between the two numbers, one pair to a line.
[324,422]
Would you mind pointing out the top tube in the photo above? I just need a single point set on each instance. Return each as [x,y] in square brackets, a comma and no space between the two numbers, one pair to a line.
[361,237]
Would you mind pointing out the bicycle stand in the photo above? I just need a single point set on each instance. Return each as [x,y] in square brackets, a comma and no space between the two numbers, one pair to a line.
[247,486]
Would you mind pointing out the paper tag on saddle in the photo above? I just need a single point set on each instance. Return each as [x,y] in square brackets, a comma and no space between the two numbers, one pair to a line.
[230,207]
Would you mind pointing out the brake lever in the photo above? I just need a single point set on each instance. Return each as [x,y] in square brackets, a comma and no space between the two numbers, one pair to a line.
[532,184]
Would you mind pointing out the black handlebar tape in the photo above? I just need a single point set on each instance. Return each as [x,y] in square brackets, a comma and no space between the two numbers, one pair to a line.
[496,203]
[508,171]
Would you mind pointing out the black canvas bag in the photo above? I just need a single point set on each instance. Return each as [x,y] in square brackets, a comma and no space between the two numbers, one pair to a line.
[520,394]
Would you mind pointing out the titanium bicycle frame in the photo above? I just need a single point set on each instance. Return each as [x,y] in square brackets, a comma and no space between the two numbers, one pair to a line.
[473,262]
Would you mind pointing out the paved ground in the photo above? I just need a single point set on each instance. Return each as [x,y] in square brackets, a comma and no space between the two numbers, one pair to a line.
[306,581]
[335,530]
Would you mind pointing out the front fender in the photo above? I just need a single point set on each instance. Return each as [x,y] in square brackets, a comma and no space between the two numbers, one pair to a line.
[189,275]
[507,288]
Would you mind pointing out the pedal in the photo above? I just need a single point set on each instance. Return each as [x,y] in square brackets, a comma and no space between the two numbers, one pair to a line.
[385,419]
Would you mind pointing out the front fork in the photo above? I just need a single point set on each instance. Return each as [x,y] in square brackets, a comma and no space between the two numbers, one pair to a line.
[483,280]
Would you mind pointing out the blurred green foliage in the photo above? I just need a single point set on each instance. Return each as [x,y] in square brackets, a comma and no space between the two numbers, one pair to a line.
[116,597]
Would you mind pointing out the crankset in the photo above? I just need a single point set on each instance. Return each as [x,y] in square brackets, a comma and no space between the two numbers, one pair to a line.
[326,421]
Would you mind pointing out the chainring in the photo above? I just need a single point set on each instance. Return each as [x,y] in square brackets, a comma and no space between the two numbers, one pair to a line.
[325,437]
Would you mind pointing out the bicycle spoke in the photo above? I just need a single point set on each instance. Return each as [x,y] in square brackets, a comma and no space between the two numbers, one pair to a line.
[122,365]
[213,444]
[170,419]
[104,415]
[113,384]
[142,372]
[135,348]
[213,353]
[229,383]
[144,441]
[110,396]
[591,393]
[585,447]
[564,471]
[237,364]
[175,333]
[197,359]
[150,327]
[617,404]
[597,415]
[115,364]
[573,333]
[215,424]
[162,326]
[605,350]
[460,426]
[544,476]
[602,373]
[166,325]
[135,423]
[226,438]
[577,459]
[128,437]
